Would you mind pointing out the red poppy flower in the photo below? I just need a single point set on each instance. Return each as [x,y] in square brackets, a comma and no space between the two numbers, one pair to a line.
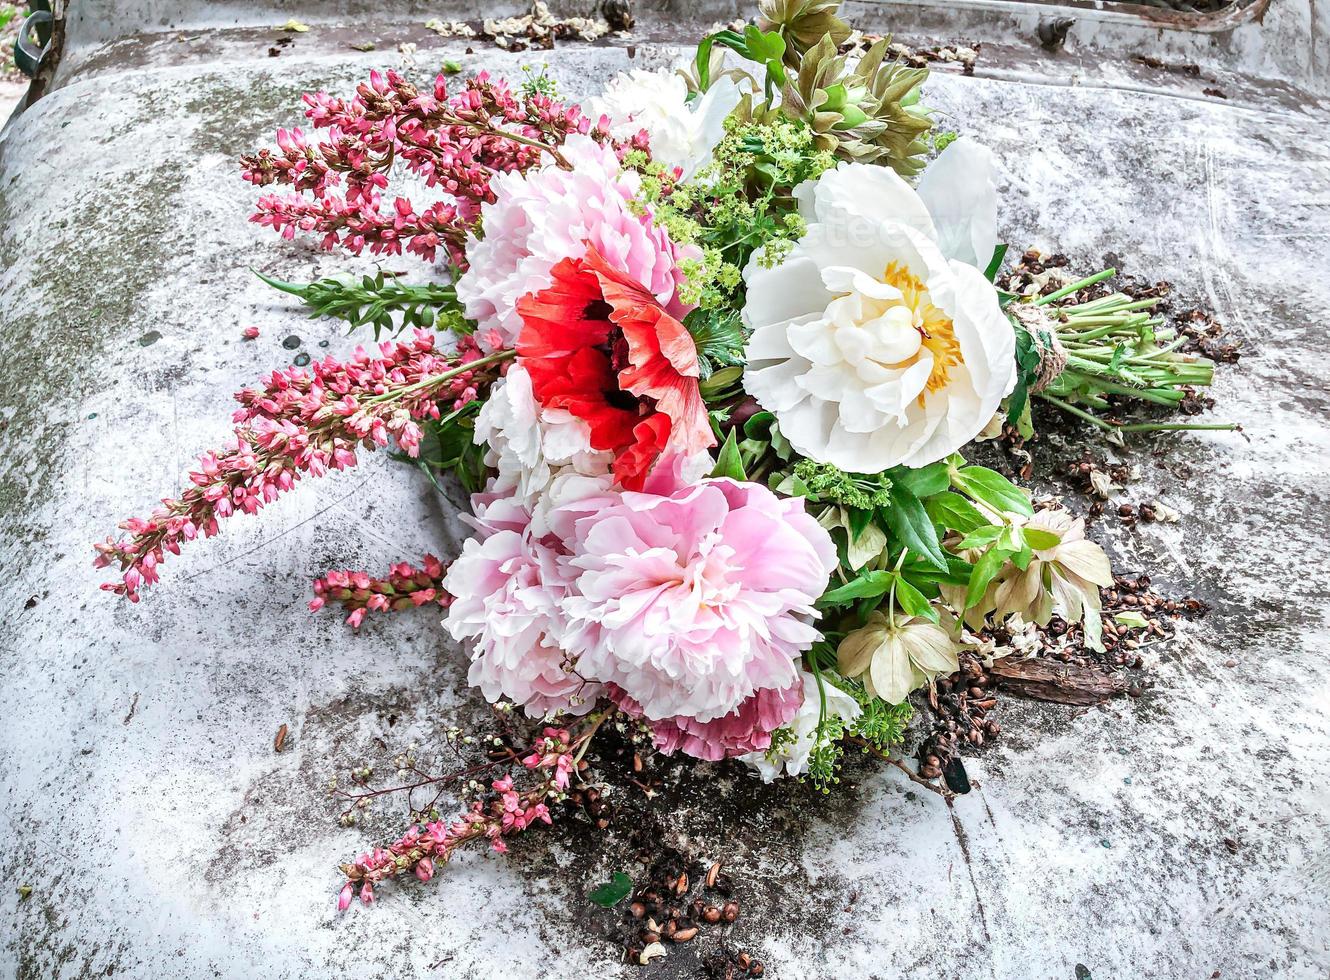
[599,345]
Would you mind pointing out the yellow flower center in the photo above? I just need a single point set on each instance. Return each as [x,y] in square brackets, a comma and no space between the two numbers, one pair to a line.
[935,327]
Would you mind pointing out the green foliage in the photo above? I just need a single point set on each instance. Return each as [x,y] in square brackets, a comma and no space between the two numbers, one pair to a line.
[612,892]
[374,301]
[881,725]
[719,337]
[448,445]
[910,524]
[764,48]
[856,490]
[992,488]
[728,461]
[539,82]
[737,204]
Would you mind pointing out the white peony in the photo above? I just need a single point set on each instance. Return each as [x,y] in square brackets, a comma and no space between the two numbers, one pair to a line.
[529,446]
[877,341]
[682,135]
[791,759]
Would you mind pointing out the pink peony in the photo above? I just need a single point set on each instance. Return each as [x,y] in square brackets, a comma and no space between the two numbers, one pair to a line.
[693,599]
[744,730]
[543,216]
[508,586]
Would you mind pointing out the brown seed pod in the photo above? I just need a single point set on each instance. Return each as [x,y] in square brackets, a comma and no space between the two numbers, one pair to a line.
[730,912]
[712,872]
[684,935]
[711,915]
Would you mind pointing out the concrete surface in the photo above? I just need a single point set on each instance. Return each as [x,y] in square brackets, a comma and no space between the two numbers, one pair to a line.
[161,836]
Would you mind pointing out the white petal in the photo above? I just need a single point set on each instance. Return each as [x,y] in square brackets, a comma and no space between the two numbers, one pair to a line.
[891,671]
[865,196]
[792,289]
[961,195]
[1087,560]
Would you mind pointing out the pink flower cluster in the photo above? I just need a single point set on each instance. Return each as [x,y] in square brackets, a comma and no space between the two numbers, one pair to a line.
[689,602]
[302,422]
[505,812]
[457,143]
[404,588]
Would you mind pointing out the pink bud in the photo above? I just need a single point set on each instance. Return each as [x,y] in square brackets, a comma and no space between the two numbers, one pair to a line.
[367,893]
[344,897]
[250,333]
[425,869]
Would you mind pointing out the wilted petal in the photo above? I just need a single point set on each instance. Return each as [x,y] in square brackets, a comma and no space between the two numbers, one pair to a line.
[1086,560]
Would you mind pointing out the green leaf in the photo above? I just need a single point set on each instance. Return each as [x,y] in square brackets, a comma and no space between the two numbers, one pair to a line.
[957,572]
[836,97]
[995,263]
[953,511]
[729,462]
[913,601]
[981,537]
[1022,558]
[719,338]
[613,891]
[869,585]
[924,481]
[1132,619]
[702,62]
[851,116]
[767,50]
[859,519]
[985,570]
[992,488]
[911,526]
[1040,540]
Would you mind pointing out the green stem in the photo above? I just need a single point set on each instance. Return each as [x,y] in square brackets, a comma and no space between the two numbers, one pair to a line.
[1075,287]
[1138,426]
[495,358]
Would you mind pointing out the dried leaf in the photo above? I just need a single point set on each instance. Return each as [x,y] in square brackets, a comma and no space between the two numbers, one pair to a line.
[295,26]
[280,740]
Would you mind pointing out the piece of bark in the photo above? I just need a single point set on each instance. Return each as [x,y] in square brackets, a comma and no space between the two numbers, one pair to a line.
[1058,682]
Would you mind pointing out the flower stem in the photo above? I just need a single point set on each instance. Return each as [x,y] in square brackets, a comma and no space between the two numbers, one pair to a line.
[1138,426]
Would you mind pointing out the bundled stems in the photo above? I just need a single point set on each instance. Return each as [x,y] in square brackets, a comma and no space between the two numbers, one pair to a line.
[1117,346]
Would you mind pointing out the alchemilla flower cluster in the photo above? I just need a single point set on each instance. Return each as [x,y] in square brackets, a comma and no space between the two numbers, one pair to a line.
[710,348]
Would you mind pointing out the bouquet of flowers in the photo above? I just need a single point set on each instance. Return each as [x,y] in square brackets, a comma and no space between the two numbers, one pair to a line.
[707,352]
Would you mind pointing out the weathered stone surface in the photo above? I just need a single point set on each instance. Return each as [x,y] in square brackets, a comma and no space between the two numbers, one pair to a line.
[160,834]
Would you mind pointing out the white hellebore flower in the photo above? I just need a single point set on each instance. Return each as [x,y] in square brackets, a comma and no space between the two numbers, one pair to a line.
[791,759]
[682,135]
[877,341]
[897,657]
